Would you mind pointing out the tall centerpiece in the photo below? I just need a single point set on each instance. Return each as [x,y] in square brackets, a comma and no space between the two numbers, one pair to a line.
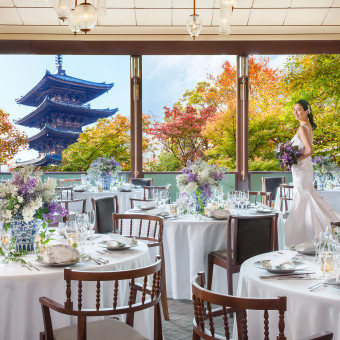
[105,168]
[199,179]
[324,170]
[27,204]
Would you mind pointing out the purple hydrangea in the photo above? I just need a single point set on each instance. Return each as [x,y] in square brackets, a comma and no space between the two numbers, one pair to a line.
[55,210]
[28,187]
[207,190]
[192,177]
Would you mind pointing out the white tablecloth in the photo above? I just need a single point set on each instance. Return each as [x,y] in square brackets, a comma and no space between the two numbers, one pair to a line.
[123,198]
[307,313]
[21,316]
[332,197]
[187,243]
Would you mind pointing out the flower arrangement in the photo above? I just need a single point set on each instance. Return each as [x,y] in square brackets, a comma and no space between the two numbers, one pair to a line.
[103,166]
[287,155]
[25,197]
[323,165]
[199,177]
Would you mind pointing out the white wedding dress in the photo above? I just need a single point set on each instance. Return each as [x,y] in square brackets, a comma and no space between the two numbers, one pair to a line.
[309,213]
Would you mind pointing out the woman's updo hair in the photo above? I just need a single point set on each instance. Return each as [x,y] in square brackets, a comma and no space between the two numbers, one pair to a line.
[306,106]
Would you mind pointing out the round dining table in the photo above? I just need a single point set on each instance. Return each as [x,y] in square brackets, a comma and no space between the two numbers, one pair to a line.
[308,312]
[21,287]
[122,196]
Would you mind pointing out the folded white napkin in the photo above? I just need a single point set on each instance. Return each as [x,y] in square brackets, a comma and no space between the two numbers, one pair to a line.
[305,246]
[278,259]
[112,244]
[79,188]
[147,205]
[125,187]
[219,213]
[120,238]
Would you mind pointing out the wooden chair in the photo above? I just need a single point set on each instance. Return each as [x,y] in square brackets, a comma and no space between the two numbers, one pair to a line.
[69,182]
[66,197]
[147,228]
[261,197]
[252,235]
[108,328]
[204,326]
[149,191]
[286,194]
[321,336]
[104,207]
[134,201]
[141,181]
[271,184]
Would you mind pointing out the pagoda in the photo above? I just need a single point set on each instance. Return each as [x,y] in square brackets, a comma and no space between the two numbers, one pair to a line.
[61,110]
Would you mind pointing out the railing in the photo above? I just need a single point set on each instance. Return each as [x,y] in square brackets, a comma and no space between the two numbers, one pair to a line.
[161,178]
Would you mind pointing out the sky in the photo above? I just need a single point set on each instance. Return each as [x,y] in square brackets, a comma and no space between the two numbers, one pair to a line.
[165,79]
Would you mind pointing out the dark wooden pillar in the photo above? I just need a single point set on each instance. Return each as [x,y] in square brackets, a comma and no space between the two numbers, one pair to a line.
[242,115]
[136,116]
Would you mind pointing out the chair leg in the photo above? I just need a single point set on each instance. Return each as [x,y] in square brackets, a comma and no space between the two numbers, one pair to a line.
[230,282]
[42,336]
[195,336]
[164,298]
[158,332]
[210,271]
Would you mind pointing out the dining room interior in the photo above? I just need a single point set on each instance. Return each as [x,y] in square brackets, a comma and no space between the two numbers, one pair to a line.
[170,169]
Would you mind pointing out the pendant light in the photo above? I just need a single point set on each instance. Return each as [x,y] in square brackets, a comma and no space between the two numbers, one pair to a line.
[226,11]
[85,16]
[63,8]
[194,23]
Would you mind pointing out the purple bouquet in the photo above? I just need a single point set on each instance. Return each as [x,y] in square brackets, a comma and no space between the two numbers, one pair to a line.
[287,155]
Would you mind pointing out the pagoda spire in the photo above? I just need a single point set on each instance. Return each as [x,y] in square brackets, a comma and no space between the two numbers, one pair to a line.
[59,65]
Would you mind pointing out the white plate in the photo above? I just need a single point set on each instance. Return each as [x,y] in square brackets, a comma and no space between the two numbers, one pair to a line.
[41,261]
[277,270]
[333,283]
[120,248]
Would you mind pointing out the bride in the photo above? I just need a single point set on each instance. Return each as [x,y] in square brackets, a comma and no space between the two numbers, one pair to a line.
[309,213]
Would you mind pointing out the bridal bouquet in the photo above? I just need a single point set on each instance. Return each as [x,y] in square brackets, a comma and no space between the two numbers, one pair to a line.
[287,155]
[199,177]
[103,166]
[26,198]
[323,165]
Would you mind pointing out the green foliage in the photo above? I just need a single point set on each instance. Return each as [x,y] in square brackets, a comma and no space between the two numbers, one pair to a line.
[165,162]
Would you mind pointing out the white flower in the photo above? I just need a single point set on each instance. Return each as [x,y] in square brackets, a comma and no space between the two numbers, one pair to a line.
[20,199]
[190,187]
[8,214]
[17,206]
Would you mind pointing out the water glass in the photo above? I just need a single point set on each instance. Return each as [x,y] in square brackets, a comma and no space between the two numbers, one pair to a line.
[6,242]
[90,223]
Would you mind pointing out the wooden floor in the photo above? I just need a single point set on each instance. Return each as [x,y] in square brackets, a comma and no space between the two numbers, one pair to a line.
[180,325]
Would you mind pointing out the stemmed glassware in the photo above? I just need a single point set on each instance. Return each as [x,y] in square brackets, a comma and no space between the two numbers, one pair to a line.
[81,228]
[6,242]
[90,223]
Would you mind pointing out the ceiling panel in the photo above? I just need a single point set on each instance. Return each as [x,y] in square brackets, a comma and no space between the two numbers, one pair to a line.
[311,16]
[190,4]
[153,3]
[6,3]
[267,16]
[311,3]
[38,16]
[30,3]
[10,16]
[271,4]
[118,16]
[332,17]
[120,4]
[153,17]
[180,16]
[336,3]
[239,17]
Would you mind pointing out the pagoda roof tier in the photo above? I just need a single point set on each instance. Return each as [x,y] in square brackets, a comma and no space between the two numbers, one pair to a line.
[42,161]
[91,89]
[92,115]
[49,131]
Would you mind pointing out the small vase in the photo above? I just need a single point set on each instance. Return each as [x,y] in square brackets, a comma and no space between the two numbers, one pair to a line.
[107,180]
[25,233]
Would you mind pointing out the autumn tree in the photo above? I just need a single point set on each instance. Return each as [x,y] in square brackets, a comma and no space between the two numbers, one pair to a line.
[109,137]
[11,139]
[315,78]
[180,133]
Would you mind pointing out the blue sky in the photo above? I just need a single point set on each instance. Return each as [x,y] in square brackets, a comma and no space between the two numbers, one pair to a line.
[165,78]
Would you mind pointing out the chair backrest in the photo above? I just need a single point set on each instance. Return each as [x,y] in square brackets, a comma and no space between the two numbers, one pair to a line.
[104,207]
[65,193]
[141,181]
[69,182]
[286,194]
[150,296]
[150,191]
[271,184]
[252,235]
[137,201]
[205,316]
[261,197]
[143,227]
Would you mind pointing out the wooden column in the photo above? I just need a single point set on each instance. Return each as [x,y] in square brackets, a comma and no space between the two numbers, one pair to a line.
[242,115]
[136,116]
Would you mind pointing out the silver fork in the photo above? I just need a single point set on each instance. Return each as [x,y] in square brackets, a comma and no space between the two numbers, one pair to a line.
[29,263]
[26,266]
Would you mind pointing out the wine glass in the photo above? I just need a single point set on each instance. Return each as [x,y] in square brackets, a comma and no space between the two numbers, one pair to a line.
[6,242]
[81,228]
[90,223]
